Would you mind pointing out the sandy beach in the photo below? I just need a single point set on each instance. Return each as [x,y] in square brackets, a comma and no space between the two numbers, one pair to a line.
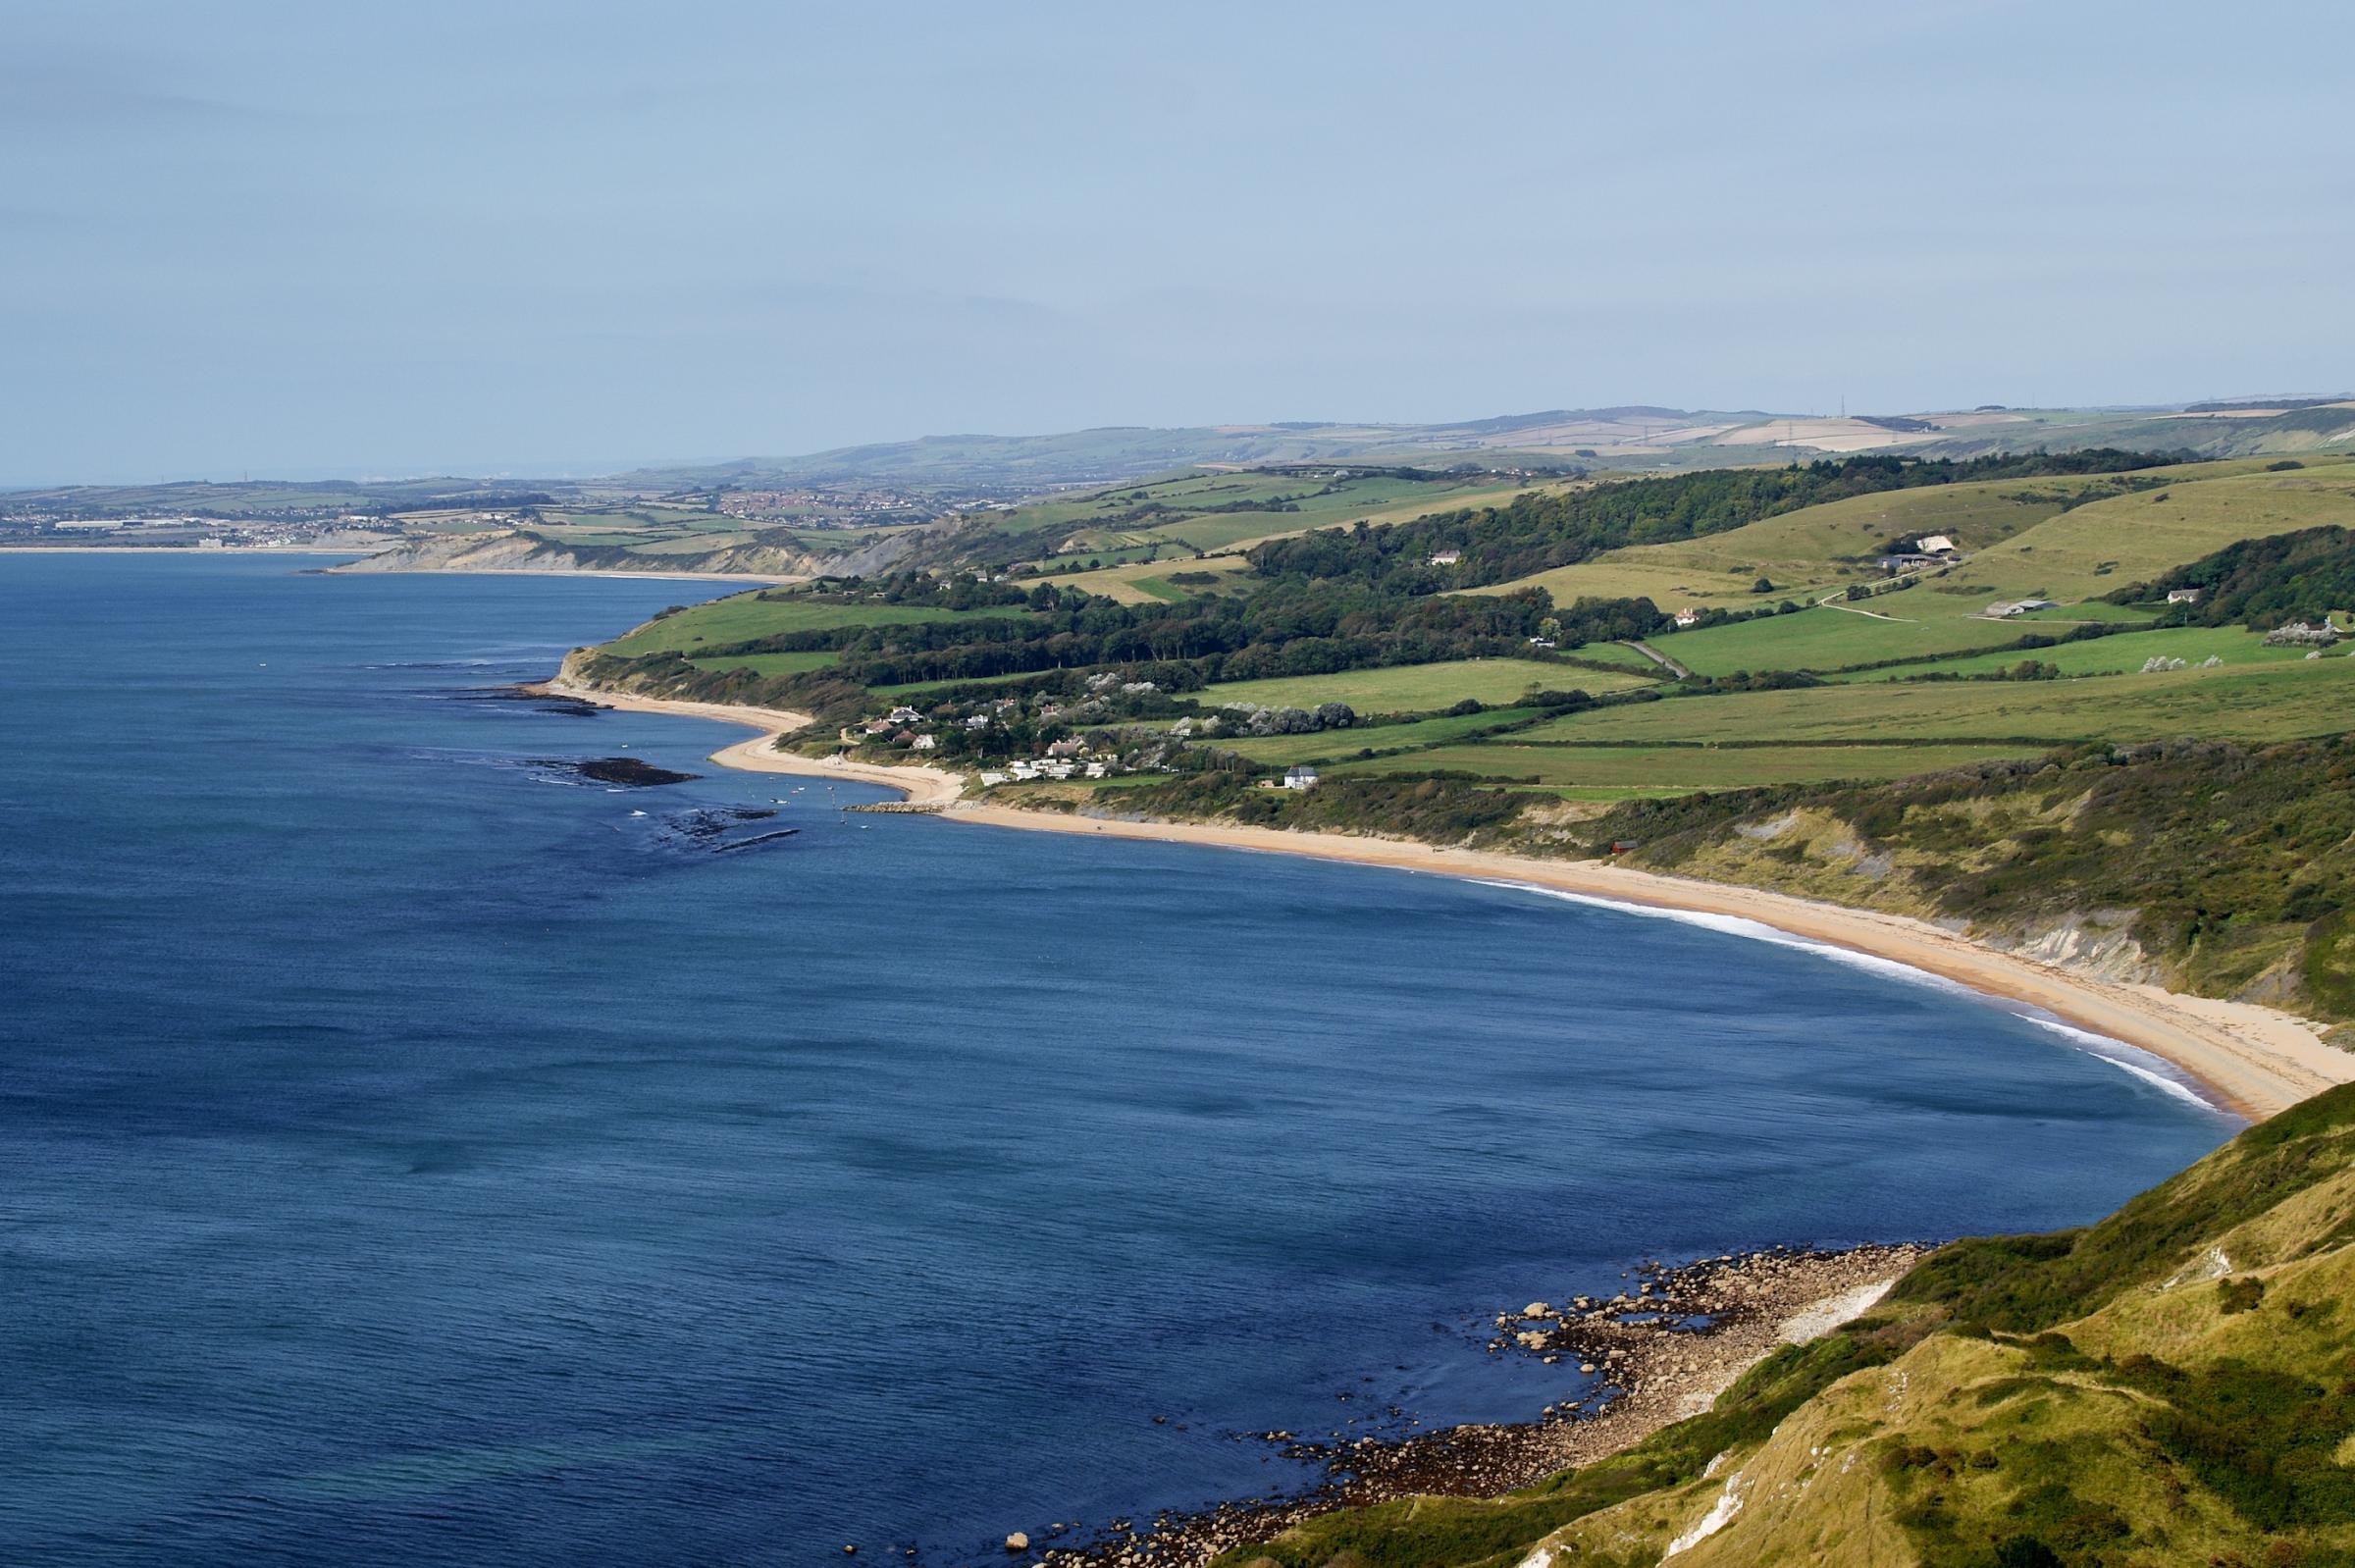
[2253,1060]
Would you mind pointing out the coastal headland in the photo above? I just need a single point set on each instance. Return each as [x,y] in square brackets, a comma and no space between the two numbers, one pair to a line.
[2251,1060]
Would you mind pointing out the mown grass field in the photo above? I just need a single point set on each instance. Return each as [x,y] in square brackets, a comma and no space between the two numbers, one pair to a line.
[1421,688]
[743,616]
[768,663]
[2120,653]
[2251,702]
[1626,771]
[1281,751]
[1828,638]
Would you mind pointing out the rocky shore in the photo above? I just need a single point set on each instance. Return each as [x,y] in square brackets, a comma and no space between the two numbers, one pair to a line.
[1662,1349]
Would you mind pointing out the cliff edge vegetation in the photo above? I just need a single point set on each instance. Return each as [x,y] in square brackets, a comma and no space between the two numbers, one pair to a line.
[2174,1384]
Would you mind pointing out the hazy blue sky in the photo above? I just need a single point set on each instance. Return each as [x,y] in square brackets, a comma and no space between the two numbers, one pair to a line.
[315,237]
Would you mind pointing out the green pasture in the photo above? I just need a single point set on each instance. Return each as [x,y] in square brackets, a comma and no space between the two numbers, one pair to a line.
[1421,688]
[2245,701]
[740,617]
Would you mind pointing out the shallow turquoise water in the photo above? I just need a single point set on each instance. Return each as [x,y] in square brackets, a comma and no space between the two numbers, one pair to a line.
[410,1155]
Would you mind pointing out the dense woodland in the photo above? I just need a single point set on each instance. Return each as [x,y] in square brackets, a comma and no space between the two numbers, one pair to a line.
[1293,626]
[2261,583]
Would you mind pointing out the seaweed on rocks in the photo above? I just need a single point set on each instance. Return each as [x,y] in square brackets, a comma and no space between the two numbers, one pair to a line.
[627,772]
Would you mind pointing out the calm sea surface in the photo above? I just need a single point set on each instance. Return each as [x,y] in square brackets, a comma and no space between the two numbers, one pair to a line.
[410,1153]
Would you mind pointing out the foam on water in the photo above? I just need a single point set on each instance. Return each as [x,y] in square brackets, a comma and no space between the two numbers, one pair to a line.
[2151,1069]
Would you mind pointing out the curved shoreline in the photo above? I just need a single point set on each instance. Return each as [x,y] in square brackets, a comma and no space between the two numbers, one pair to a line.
[2253,1060]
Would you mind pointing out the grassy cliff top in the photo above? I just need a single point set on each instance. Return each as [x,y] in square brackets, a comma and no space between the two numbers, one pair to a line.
[2174,1384]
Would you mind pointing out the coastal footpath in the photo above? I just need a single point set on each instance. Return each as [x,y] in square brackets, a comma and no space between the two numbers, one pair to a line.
[2255,1060]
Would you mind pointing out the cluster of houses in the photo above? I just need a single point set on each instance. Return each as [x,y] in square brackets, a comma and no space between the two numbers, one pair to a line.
[1024,769]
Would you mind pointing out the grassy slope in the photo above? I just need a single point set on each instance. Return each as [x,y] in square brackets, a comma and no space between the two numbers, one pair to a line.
[2171,1386]
[1647,769]
[2127,652]
[1110,526]
[743,616]
[1818,547]
[2024,546]
[2267,702]
[2229,868]
[1422,688]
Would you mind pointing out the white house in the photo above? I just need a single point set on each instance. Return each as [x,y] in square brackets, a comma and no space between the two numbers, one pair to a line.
[2182,595]
[923,743]
[1448,557]
[1688,617]
[1299,776]
[905,715]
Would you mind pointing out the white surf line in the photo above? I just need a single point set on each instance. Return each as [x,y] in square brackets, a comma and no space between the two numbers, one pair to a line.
[2132,1060]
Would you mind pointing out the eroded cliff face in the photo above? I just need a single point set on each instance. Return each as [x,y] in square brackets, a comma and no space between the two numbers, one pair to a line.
[520,551]
[1815,855]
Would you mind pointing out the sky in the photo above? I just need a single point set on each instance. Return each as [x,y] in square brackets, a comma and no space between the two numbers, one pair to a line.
[520,238]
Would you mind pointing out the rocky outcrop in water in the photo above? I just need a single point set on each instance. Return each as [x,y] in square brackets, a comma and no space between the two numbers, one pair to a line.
[627,772]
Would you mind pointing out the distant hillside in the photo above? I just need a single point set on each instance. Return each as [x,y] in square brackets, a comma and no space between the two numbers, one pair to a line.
[522,550]
[2171,1386]
[1633,436]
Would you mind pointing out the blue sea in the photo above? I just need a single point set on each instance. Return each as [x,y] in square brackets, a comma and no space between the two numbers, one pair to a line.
[411,1153]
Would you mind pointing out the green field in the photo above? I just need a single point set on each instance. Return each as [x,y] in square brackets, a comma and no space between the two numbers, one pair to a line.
[1141,582]
[2256,703]
[2120,653]
[2020,540]
[1627,770]
[1281,751]
[1830,638]
[1422,688]
[765,664]
[740,617]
